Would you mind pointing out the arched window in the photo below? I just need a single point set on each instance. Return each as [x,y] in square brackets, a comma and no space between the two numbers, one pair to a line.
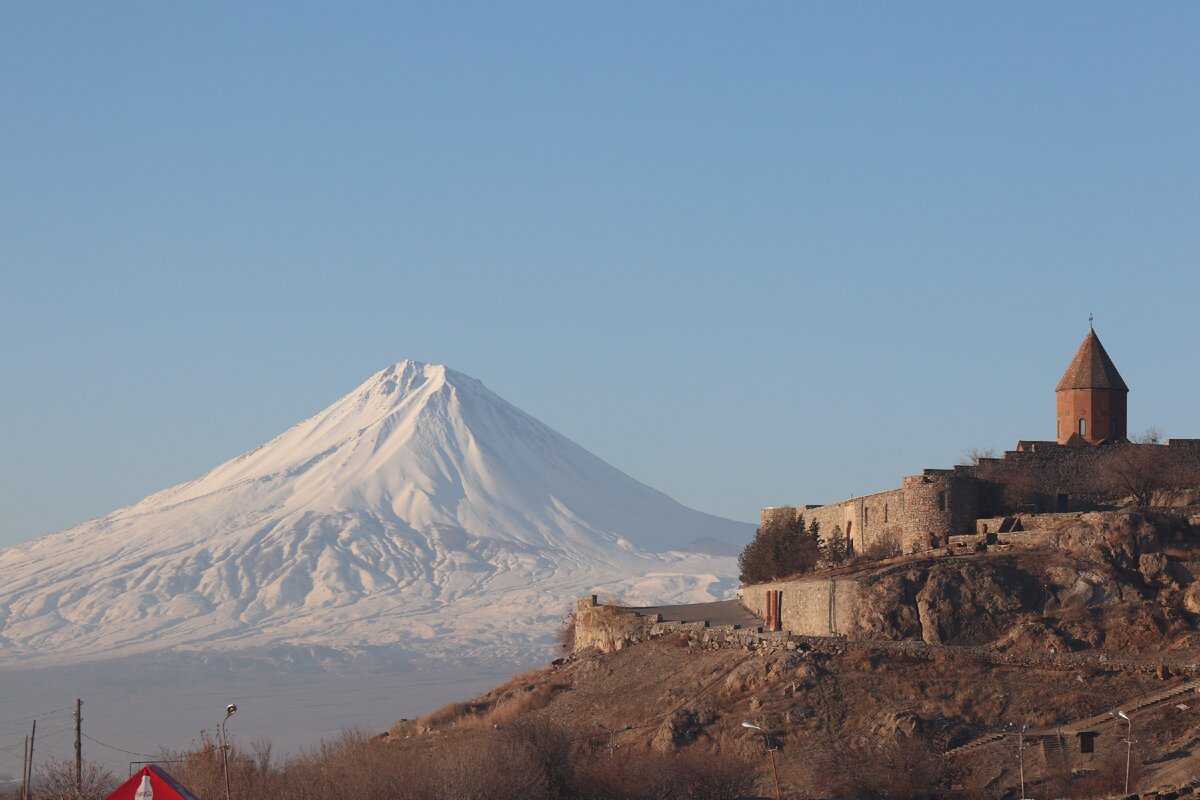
[1082,426]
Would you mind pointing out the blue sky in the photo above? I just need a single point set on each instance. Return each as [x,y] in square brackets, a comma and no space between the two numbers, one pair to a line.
[749,254]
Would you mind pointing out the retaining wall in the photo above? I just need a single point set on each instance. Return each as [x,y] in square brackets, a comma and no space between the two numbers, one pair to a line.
[815,607]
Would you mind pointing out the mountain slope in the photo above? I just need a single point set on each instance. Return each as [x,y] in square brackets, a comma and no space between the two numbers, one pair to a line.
[421,510]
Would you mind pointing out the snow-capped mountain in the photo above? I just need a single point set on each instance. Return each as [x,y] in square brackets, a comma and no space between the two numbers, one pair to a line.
[421,511]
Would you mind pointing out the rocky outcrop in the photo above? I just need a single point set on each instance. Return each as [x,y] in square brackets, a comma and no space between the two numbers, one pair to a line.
[1107,581]
[952,601]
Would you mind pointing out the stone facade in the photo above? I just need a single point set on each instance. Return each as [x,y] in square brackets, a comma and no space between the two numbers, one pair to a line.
[873,520]
[1094,415]
[1037,477]
[809,607]
[1092,397]
[1070,474]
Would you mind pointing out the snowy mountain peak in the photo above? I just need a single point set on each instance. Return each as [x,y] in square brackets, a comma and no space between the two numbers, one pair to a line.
[419,488]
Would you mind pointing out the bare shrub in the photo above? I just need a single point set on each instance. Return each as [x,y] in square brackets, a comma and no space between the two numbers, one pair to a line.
[647,775]
[199,768]
[1152,435]
[1145,473]
[886,546]
[975,454]
[1022,491]
[57,781]
[549,749]
[900,767]
[487,768]
[446,715]
[354,765]
[522,703]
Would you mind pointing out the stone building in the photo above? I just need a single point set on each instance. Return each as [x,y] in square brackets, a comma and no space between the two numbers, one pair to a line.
[1092,397]
[1069,474]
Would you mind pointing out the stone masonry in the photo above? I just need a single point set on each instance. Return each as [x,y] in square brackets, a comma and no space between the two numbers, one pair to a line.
[1036,477]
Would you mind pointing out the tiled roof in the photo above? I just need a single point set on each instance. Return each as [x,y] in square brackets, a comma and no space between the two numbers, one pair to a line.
[1091,368]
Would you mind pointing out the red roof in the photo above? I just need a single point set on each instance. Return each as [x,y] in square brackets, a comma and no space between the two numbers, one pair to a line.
[164,786]
[1091,368]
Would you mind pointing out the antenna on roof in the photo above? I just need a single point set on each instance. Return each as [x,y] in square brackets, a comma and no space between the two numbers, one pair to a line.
[1090,318]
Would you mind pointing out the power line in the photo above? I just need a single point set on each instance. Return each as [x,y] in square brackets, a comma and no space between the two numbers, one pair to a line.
[34,716]
[113,747]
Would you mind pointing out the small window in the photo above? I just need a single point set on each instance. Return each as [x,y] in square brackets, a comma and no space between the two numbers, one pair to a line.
[941,501]
[1082,426]
[866,517]
[885,513]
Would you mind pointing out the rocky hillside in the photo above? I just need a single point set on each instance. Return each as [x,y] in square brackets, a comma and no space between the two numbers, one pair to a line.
[962,647]
[1120,583]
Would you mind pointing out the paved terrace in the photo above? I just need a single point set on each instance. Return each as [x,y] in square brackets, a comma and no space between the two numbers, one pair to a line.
[725,612]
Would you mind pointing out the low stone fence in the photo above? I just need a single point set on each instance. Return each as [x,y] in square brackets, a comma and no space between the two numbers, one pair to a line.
[608,628]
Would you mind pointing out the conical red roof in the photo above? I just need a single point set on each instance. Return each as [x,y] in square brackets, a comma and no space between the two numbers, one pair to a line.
[1091,368]
[165,787]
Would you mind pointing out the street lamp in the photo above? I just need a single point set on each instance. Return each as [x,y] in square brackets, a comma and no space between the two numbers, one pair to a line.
[771,750]
[1021,754]
[230,710]
[1128,742]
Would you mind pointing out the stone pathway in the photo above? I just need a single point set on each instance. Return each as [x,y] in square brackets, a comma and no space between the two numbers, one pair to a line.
[1130,706]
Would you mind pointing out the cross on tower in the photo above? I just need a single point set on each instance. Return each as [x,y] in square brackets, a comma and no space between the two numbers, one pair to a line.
[1090,322]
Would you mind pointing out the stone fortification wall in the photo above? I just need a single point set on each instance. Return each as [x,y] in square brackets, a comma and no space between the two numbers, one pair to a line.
[609,628]
[938,503]
[810,607]
[870,521]
[766,642]
[1039,477]
[604,627]
[1051,477]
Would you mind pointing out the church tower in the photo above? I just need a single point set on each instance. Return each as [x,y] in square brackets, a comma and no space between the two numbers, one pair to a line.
[1092,397]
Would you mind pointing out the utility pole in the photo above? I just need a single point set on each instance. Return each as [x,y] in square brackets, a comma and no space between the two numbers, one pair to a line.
[24,768]
[78,746]
[29,768]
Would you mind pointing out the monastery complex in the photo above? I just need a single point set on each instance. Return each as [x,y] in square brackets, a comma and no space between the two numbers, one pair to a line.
[1070,474]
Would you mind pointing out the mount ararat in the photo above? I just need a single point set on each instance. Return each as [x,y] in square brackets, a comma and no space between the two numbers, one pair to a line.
[421,513]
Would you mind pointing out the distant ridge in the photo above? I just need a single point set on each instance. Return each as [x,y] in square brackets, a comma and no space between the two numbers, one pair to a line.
[419,492]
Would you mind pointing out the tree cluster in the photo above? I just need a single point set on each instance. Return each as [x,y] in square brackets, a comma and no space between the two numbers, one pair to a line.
[783,546]
[527,760]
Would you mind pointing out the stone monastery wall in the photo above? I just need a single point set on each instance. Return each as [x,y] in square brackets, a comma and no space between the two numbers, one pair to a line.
[1076,471]
[938,503]
[867,521]
[809,607]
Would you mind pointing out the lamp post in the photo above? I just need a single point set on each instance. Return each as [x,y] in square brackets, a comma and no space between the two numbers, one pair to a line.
[230,710]
[771,750]
[612,735]
[1021,754]
[1128,742]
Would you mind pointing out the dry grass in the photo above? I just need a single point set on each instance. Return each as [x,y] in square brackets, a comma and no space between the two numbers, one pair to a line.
[519,705]
[447,715]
